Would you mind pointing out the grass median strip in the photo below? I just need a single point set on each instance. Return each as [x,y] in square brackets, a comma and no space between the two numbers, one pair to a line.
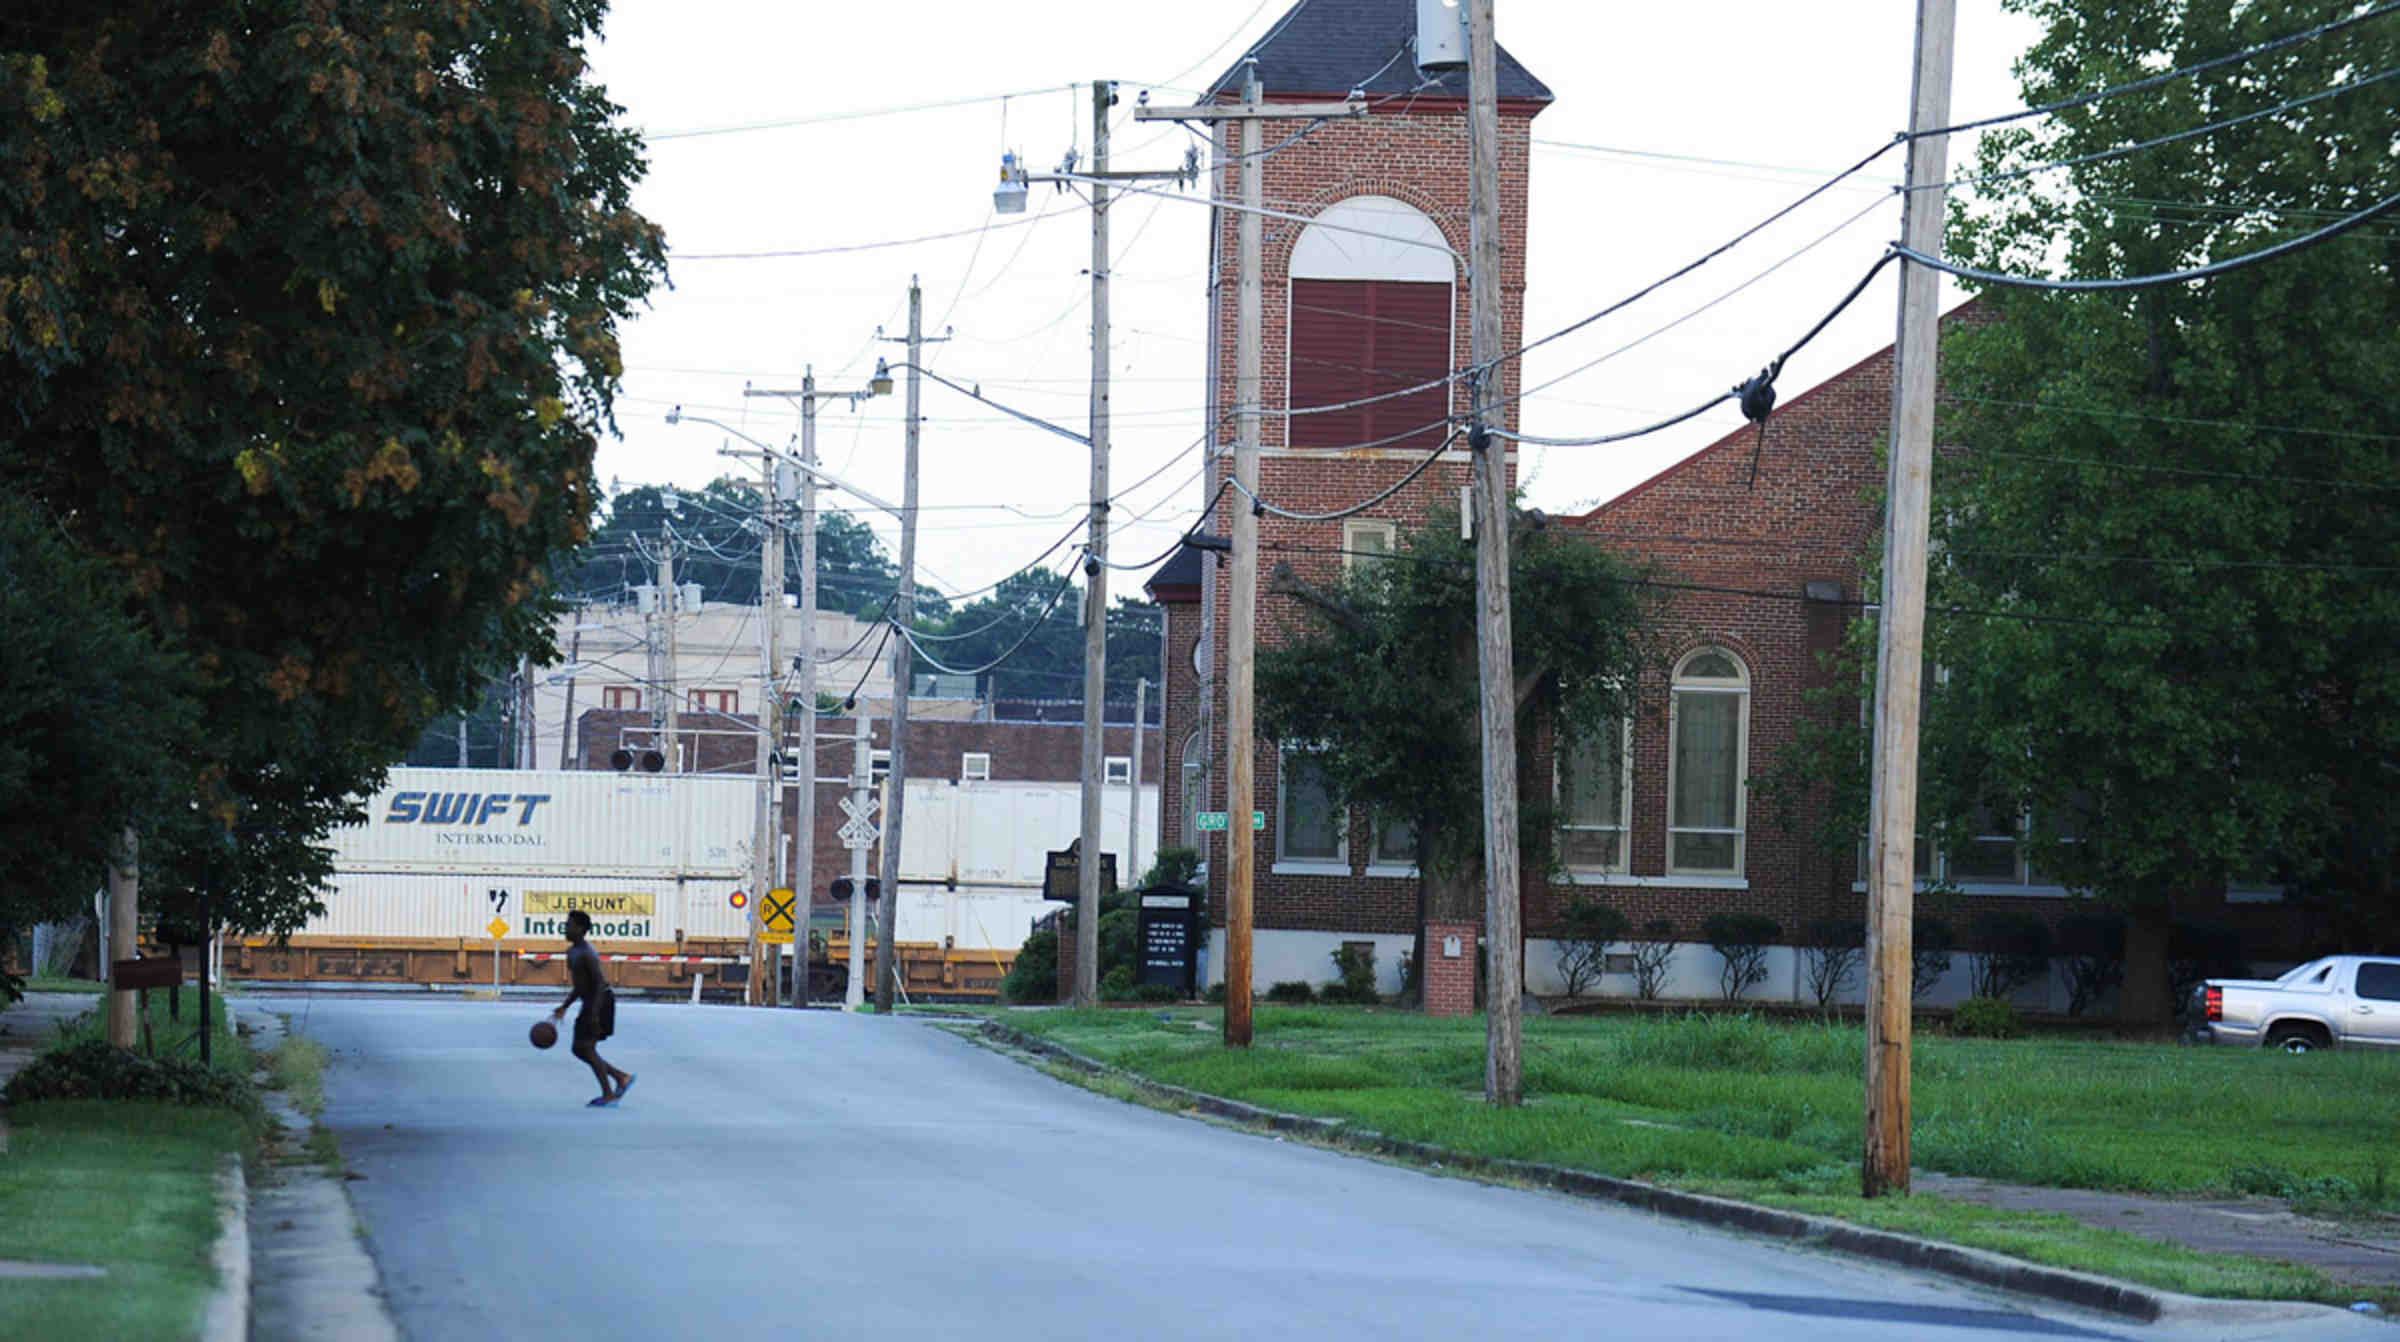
[125,1185]
[129,1187]
[1772,1112]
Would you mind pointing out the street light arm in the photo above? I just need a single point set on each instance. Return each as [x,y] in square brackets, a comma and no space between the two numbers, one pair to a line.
[1035,420]
[823,477]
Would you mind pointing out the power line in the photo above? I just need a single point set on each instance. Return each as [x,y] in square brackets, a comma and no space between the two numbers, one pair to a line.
[2172,137]
[1774,368]
[2154,81]
[2227,266]
[743,128]
[790,253]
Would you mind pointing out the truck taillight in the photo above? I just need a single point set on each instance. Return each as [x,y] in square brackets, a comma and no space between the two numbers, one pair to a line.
[2216,1002]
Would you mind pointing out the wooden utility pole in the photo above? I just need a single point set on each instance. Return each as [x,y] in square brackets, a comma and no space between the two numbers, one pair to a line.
[124,932]
[1095,580]
[1241,635]
[766,841]
[1891,877]
[664,684]
[804,860]
[1241,640]
[1503,1067]
[887,948]
[1133,793]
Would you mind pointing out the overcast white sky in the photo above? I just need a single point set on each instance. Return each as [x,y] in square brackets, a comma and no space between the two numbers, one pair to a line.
[770,131]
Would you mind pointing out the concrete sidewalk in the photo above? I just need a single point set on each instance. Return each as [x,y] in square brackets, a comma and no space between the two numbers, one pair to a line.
[2363,1254]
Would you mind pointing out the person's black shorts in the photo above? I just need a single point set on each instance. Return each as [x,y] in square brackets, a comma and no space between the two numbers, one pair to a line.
[597,1020]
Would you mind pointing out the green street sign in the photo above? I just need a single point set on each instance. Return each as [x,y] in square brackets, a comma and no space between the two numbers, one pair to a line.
[1215,820]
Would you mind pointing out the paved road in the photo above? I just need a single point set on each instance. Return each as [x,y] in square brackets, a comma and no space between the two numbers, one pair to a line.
[821,1175]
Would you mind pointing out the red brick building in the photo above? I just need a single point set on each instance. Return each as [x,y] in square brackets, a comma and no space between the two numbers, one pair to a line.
[1365,317]
[1759,549]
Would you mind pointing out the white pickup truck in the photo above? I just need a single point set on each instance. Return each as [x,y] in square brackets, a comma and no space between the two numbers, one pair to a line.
[2347,1000]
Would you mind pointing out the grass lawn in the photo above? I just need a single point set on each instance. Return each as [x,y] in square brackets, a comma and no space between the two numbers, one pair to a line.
[130,1187]
[65,985]
[1773,1112]
[126,1186]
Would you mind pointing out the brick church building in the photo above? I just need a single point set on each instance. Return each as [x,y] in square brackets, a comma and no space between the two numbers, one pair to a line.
[1759,546]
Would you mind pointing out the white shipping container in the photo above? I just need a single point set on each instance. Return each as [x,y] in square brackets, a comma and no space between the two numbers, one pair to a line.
[445,851]
[480,821]
[1000,834]
[410,905]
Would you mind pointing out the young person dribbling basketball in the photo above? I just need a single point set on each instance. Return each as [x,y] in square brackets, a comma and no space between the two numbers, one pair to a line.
[598,1018]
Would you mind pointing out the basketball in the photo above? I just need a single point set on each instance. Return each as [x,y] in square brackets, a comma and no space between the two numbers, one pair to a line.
[544,1034]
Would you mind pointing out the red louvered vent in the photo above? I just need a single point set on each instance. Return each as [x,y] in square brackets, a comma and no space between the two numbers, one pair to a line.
[1356,339]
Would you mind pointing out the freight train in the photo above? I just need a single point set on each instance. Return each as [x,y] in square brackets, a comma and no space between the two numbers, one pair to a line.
[460,877]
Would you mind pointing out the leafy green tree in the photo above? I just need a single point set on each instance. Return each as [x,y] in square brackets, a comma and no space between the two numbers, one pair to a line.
[716,538]
[1382,676]
[93,720]
[2166,523]
[1029,619]
[307,330]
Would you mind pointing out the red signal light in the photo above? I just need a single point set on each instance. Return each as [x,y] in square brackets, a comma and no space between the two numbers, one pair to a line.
[741,900]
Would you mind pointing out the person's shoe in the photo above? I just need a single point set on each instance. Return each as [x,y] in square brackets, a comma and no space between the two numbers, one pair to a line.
[624,1086]
[601,1103]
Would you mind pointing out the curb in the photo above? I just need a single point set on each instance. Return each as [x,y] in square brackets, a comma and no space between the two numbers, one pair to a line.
[228,1318]
[229,1310]
[1979,1266]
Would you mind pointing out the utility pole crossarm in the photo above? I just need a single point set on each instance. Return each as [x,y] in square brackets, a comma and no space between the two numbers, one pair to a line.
[1354,107]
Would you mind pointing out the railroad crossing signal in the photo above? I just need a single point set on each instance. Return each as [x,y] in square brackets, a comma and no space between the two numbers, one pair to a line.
[776,918]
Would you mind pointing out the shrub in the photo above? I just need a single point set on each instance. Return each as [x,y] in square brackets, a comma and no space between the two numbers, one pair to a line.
[1583,940]
[1292,992]
[1929,954]
[1651,956]
[94,1069]
[2013,949]
[2094,947]
[1835,948]
[1356,966]
[1156,992]
[1034,977]
[1172,866]
[1215,993]
[1742,939]
[1117,984]
[1985,1018]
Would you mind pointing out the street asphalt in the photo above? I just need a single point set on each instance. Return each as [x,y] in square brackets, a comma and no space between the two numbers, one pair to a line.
[776,1173]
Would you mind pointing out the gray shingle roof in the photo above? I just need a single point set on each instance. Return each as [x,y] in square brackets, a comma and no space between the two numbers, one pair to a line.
[1330,47]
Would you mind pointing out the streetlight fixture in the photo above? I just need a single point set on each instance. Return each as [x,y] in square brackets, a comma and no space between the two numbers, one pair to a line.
[1009,196]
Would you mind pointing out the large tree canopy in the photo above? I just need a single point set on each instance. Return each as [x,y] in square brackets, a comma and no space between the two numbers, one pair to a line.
[1382,682]
[2174,508]
[307,328]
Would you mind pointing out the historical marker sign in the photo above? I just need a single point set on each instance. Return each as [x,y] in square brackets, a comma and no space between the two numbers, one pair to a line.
[1062,875]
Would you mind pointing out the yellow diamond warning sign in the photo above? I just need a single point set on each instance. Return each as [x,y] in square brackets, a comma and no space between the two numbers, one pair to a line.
[498,928]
